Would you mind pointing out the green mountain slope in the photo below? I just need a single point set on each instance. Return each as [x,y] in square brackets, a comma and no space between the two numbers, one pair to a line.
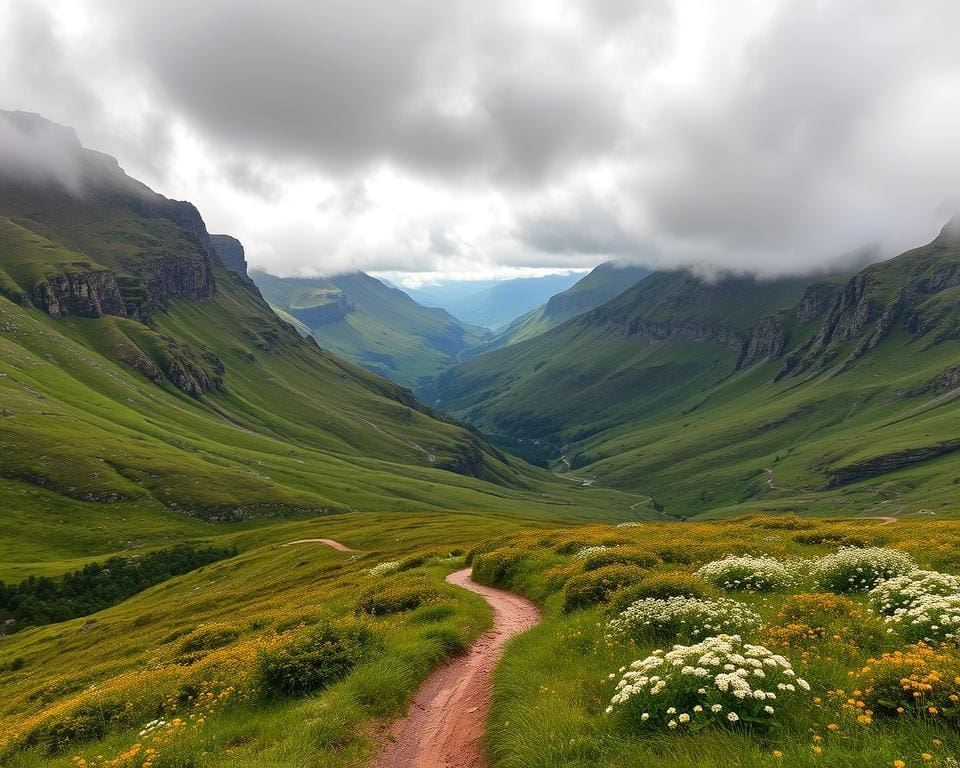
[834,397]
[599,286]
[144,387]
[380,328]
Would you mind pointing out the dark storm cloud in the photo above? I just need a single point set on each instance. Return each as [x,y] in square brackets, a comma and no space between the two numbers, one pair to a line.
[762,135]
[446,87]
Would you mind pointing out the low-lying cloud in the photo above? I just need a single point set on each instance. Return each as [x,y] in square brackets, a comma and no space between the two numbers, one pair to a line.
[454,136]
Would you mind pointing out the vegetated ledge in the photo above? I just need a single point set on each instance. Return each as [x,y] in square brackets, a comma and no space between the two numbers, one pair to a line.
[890,462]
[37,601]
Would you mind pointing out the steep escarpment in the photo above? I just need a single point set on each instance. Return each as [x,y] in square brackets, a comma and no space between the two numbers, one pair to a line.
[913,293]
[131,251]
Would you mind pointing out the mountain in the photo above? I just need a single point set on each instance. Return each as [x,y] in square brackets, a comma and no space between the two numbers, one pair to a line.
[141,380]
[599,286]
[838,394]
[380,328]
[492,304]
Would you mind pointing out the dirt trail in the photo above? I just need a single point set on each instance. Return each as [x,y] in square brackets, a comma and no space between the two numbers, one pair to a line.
[445,724]
[329,542]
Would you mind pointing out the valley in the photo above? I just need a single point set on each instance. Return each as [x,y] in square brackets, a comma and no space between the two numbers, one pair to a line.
[253,520]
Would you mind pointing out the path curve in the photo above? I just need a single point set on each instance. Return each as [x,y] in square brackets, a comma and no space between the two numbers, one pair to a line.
[329,542]
[446,722]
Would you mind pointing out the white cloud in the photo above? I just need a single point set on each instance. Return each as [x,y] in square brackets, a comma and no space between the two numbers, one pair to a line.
[455,137]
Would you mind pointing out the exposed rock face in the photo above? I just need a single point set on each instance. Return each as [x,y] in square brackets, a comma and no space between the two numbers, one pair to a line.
[659,331]
[767,342]
[817,299]
[89,294]
[881,465]
[230,251]
[947,380]
[332,311]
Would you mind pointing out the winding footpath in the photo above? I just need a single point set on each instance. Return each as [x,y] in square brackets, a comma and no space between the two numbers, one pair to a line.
[445,724]
[329,542]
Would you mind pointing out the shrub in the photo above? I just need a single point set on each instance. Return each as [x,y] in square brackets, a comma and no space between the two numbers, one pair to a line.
[596,586]
[87,722]
[396,597]
[384,569]
[588,552]
[929,617]
[684,618]
[720,680]
[325,655]
[661,586]
[749,573]
[557,576]
[913,680]
[901,592]
[207,637]
[620,556]
[824,616]
[852,569]
[499,565]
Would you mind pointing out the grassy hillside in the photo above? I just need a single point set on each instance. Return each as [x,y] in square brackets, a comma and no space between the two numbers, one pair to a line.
[145,388]
[774,396]
[379,328]
[599,286]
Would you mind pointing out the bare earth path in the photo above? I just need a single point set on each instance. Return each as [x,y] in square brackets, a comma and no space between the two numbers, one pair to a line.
[329,542]
[445,725]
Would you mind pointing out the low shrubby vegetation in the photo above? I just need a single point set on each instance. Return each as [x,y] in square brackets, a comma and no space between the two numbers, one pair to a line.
[748,573]
[682,618]
[835,650]
[281,655]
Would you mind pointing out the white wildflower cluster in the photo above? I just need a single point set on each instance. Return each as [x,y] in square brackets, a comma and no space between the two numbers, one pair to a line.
[630,524]
[588,552]
[384,569]
[750,573]
[901,592]
[718,680]
[153,725]
[923,605]
[930,618]
[854,569]
[686,618]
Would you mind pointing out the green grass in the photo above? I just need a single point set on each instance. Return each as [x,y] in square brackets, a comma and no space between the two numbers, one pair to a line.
[131,652]
[553,686]
[375,326]
[648,410]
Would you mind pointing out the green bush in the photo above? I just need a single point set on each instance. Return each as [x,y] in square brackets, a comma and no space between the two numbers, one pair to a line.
[498,566]
[661,586]
[596,586]
[396,597]
[207,637]
[621,556]
[325,655]
[86,723]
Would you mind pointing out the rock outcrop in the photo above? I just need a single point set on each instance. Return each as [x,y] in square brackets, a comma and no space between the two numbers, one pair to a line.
[768,340]
[88,294]
[231,253]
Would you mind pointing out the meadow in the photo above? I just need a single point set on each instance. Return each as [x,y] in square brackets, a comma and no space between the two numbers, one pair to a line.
[293,653]
[794,602]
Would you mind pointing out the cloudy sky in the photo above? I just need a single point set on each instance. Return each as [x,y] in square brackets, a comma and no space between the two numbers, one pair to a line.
[420,138]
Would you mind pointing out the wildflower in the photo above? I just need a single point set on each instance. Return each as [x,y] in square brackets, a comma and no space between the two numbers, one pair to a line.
[748,573]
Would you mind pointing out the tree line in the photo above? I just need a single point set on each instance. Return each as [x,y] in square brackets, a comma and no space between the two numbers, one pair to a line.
[41,600]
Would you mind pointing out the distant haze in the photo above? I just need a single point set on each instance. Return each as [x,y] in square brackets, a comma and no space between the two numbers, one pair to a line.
[430,139]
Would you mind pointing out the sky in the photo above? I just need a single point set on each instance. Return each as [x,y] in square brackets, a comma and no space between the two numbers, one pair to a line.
[433,139]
